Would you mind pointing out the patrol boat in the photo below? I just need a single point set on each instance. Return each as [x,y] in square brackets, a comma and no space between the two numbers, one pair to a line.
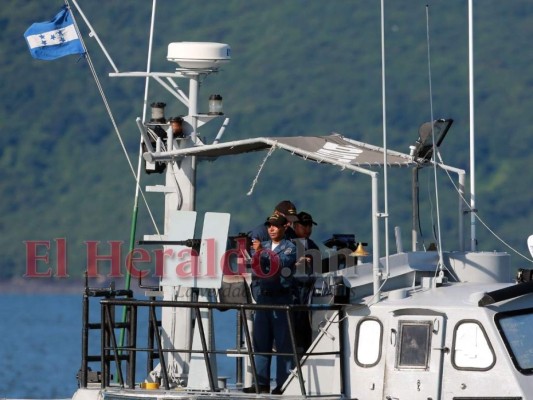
[412,324]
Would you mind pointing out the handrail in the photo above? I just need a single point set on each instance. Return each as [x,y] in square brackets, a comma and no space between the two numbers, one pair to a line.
[110,292]
[112,352]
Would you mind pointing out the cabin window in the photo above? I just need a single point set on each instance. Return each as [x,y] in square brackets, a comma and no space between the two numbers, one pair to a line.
[471,347]
[368,342]
[414,346]
[515,328]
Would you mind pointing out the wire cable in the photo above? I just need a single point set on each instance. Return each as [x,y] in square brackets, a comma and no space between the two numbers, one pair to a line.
[111,117]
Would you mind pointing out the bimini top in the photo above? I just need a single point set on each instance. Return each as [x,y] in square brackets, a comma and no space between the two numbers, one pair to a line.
[333,149]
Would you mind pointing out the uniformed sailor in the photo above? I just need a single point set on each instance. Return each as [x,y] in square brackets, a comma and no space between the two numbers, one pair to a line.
[309,261]
[272,283]
[303,227]
[176,123]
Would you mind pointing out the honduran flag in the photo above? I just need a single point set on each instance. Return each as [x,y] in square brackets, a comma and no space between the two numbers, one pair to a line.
[55,38]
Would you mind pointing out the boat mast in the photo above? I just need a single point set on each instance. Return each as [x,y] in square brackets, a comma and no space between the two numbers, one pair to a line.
[473,240]
[385,214]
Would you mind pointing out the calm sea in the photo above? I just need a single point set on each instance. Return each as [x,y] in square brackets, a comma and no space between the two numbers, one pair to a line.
[40,346]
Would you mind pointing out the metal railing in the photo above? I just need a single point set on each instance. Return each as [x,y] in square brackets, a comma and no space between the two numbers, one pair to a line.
[85,374]
[111,353]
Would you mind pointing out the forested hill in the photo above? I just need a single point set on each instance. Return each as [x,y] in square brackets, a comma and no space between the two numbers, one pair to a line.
[298,68]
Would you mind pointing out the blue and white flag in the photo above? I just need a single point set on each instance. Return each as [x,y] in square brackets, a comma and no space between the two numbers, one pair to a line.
[55,38]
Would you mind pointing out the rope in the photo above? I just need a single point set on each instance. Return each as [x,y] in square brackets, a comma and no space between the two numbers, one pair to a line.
[272,148]
[178,189]
[119,136]
[476,214]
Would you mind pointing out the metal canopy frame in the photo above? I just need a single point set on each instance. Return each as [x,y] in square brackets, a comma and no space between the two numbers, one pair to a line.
[333,149]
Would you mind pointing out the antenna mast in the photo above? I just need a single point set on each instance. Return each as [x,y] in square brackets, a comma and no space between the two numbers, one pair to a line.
[473,240]
[385,214]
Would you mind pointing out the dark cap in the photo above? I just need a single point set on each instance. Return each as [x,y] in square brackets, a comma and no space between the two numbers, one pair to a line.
[176,119]
[276,220]
[305,218]
[288,210]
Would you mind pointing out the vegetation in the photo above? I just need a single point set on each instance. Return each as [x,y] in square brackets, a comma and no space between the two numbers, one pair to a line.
[298,68]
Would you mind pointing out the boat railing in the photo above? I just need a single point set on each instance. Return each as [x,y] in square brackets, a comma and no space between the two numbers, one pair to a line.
[113,353]
[86,375]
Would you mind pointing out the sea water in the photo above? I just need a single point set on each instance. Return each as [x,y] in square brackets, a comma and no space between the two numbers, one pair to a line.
[40,345]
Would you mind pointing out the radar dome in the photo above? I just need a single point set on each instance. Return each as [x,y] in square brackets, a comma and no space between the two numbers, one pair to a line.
[199,55]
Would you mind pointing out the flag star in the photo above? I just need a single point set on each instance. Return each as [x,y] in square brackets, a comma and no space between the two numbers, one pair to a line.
[43,42]
[52,36]
[41,36]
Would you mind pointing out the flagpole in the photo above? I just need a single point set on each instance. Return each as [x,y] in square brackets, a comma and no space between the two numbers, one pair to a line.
[136,175]
[92,33]
[113,122]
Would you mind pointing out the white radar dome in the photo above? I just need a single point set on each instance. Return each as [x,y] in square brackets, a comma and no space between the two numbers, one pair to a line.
[199,55]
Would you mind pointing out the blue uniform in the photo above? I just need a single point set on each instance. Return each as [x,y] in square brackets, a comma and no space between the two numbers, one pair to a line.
[309,249]
[272,283]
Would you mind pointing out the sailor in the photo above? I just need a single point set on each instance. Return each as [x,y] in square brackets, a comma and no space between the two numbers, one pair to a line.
[176,123]
[272,283]
[303,228]
[309,260]
[284,208]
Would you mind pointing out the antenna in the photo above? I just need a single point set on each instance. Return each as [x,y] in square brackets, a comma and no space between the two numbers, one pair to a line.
[376,270]
[441,261]
[473,239]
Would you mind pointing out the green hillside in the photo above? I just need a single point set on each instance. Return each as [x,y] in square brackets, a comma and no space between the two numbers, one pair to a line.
[298,68]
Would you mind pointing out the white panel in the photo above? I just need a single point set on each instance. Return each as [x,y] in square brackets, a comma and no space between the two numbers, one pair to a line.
[177,263]
[214,242]
[212,249]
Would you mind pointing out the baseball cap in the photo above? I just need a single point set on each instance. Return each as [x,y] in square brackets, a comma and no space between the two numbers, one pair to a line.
[288,210]
[276,220]
[305,218]
[176,119]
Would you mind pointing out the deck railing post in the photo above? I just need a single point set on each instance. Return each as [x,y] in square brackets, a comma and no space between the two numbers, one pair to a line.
[84,342]
[251,352]
[205,349]
[116,356]
[342,358]
[159,347]
[132,344]
[294,350]
[103,348]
